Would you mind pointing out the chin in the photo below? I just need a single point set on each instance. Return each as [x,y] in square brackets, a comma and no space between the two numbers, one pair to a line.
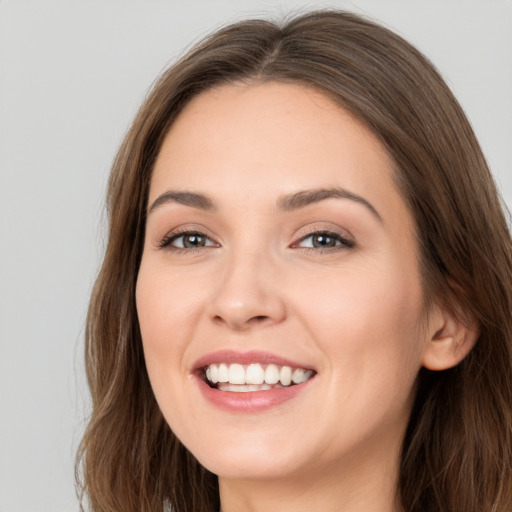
[244,455]
[263,466]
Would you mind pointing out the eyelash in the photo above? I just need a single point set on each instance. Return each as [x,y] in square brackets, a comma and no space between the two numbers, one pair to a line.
[166,242]
[342,242]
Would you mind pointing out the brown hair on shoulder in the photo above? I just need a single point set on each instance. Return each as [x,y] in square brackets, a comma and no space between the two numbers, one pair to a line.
[457,454]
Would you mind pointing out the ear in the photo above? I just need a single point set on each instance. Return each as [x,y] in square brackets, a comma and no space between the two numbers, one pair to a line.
[450,339]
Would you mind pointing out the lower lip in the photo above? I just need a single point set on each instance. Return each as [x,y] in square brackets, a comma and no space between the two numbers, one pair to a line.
[251,401]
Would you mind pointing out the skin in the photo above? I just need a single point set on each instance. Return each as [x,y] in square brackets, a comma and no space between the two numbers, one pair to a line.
[354,314]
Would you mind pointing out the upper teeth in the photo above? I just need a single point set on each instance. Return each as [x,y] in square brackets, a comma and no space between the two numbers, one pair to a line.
[255,373]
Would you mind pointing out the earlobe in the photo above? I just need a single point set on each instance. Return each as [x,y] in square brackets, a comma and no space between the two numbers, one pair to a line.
[449,341]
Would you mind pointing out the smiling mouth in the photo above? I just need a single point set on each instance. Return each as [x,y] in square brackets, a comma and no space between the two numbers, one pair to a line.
[241,378]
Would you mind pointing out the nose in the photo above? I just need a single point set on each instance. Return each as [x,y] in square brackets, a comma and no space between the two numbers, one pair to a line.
[248,295]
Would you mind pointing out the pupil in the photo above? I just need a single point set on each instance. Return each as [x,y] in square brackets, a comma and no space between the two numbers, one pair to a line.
[323,241]
[193,241]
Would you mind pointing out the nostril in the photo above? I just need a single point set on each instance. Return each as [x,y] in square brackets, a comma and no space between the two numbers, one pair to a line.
[217,319]
[241,323]
[258,319]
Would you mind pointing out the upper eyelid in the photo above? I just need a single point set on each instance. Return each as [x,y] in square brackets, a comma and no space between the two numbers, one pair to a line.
[347,241]
[174,235]
[186,229]
[327,231]
[169,238]
[314,228]
[177,234]
[310,229]
[332,234]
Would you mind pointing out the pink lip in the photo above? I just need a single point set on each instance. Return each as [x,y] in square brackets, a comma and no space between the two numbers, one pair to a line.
[253,401]
[252,356]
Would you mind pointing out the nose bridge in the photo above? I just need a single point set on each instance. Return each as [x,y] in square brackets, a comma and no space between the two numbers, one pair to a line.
[247,292]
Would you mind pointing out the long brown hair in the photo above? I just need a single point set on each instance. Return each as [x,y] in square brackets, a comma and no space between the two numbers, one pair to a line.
[457,453]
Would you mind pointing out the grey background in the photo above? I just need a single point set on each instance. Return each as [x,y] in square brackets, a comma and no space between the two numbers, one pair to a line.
[71,77]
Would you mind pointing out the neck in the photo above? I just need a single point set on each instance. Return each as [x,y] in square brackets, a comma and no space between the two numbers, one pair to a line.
[358,485]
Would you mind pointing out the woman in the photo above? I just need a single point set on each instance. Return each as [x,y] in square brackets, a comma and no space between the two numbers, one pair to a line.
[307,291]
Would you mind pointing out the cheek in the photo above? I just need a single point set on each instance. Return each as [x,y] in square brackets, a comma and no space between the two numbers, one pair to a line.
[160,309]
[166,305]
[166,319]
[367,318]
[367,324]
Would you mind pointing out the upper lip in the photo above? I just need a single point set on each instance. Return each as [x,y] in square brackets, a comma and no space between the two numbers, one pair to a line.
[248,357]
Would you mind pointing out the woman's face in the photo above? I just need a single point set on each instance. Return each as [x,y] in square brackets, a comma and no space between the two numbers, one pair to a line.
[277,246]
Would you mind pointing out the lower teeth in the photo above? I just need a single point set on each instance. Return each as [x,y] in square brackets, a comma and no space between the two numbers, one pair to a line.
[246,388]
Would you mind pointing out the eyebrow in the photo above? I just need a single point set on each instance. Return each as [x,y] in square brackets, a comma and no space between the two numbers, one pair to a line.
[192,199]
[289,202]
[304,198]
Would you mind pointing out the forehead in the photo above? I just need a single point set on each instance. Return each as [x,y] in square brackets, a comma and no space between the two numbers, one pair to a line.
[275,138]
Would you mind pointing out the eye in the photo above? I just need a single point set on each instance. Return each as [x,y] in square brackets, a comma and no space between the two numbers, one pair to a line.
[186,240]
[325,240]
